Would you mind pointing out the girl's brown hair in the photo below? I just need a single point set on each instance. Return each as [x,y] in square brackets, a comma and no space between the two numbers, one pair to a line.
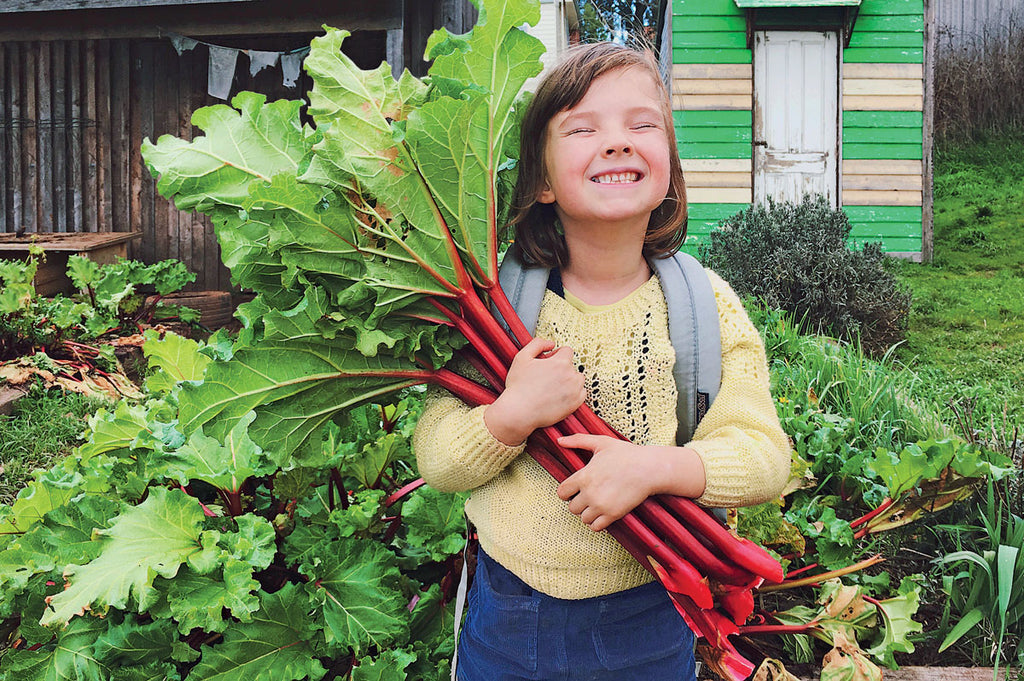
[537,240]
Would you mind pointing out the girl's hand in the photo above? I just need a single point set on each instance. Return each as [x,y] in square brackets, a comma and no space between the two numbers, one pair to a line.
[543,386]
[620,475]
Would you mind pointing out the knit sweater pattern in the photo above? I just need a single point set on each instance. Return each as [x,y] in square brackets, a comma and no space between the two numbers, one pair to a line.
[625,354]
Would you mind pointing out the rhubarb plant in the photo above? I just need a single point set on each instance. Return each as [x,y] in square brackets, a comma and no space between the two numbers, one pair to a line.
[149,554]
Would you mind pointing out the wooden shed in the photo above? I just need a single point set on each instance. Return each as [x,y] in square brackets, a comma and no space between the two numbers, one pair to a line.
[777,98]
[83,82]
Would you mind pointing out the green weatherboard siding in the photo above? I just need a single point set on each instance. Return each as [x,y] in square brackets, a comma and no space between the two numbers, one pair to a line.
[856,135]
[712,119]
[709,32]
[902,152]
[704,7]
[706,23]
[701,56]
[712,149]
[889,55]
[883,119]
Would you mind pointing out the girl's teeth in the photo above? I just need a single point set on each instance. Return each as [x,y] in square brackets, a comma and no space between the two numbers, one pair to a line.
[616,177]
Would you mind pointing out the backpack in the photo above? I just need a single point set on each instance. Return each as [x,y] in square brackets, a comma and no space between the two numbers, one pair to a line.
[692,326]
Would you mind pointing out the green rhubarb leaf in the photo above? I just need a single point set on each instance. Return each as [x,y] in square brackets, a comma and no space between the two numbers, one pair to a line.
[126,428]
[367,464]
[364,510]
[225,466]
[198,601]
[254,543]
[243,145]
[244,246]
[435,522]
[355,586]
[174,358]
[388,666]
[131,643]
[69,657]
[154,671]
[295,379]
[897,616]
[274,646]
[47,492]
[154,538]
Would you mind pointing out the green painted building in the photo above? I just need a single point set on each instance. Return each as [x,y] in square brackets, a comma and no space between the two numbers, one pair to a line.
[776,99]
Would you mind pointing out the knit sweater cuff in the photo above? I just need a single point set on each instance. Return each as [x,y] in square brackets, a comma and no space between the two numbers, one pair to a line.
[727,474]
[483,451]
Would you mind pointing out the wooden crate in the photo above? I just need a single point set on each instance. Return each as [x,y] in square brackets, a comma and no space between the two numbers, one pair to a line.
[51,277]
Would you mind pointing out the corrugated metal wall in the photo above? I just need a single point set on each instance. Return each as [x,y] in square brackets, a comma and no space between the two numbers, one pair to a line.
[965,23]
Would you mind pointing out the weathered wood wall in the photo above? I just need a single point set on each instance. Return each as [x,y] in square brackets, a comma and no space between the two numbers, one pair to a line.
[74,113]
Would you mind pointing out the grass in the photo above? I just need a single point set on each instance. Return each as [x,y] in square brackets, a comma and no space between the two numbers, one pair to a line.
[966,336]
[44,426]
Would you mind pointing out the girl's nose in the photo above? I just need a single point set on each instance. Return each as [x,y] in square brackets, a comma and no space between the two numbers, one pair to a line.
[618,148]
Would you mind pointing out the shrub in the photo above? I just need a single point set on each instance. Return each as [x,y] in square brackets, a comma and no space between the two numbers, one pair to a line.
[795,257]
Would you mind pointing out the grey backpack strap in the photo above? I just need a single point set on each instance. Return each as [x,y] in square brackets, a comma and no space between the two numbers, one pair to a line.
[696,337]
[524,288]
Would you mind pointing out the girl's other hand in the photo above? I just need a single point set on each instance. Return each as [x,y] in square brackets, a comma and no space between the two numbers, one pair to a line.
[543,386]
[620,475]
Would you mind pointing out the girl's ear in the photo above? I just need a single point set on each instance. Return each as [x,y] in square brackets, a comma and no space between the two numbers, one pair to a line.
[546,194]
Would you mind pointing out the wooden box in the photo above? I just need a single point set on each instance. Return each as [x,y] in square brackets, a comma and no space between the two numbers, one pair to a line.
[51,277]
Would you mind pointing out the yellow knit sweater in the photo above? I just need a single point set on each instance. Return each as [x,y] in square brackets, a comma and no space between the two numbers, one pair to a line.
[626,356]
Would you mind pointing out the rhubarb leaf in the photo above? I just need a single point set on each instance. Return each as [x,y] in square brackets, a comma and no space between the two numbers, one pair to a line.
[354,583]
[435,522]
[389,666]
[252,142]
[274,646]
[153,538]
[174,359]
[69,657]
[198,601]
[897,615]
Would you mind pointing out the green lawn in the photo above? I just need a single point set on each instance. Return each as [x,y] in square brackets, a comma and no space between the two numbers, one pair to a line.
[966,336]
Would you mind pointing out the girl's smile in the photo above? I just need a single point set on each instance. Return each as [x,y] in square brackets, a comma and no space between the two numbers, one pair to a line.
[607,158]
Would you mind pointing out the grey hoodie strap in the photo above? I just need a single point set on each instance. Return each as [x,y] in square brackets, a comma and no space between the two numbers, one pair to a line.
[524,287]
[694,331]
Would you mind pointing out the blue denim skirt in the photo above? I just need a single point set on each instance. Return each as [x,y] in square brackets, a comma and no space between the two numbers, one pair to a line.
[514,633]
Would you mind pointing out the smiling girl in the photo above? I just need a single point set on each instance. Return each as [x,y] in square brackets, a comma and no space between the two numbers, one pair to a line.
[600,193]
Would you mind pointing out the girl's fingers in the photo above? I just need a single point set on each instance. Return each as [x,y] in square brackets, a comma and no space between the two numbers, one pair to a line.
[568,489]
[581,441]
[537,347]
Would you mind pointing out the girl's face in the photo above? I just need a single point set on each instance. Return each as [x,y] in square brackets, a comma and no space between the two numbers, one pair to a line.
[606,159]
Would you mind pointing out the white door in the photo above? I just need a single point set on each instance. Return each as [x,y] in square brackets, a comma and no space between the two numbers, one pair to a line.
[796,115]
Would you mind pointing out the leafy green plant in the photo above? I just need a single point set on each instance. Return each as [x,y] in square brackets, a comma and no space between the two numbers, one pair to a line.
[985,590]
[117,292]
[797,257]
[152,554]
[66,326]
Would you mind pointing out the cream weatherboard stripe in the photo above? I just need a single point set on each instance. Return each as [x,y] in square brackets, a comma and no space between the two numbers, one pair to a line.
[889,197]
[883,87]
[712,87]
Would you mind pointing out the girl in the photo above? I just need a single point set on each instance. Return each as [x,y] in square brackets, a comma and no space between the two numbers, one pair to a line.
[600,191]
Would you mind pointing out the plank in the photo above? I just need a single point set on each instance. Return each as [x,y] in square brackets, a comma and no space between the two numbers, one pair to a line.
[6,124]
[156,110]
[720,40]
[712,71]
[883,182]
[713,149]
[15,202]
[141,127]
[713,119]
[60,136]
[861,197]
[883,71]
[883,103]
[10,6]
[719,195]
[883,86]
[119,152]
[74,61]
[90,175]
[883,119]
[883,55]
[104,203]
[712,102]
[30,159]
[854,135]
[927,215]
[712,86]
[717,165]
[692,55]
[881,167]
[709,22]
[710,180]
[44,130]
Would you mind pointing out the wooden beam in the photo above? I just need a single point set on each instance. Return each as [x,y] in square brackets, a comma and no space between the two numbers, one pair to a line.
[694,180]
[712,102]
[887,197]
[856,70]
[882,86]
[719,195]
[712,86]
[261,18]
[883,182]
[713,71]
[881,167]
[883,103]
[717,165]
[11,6]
